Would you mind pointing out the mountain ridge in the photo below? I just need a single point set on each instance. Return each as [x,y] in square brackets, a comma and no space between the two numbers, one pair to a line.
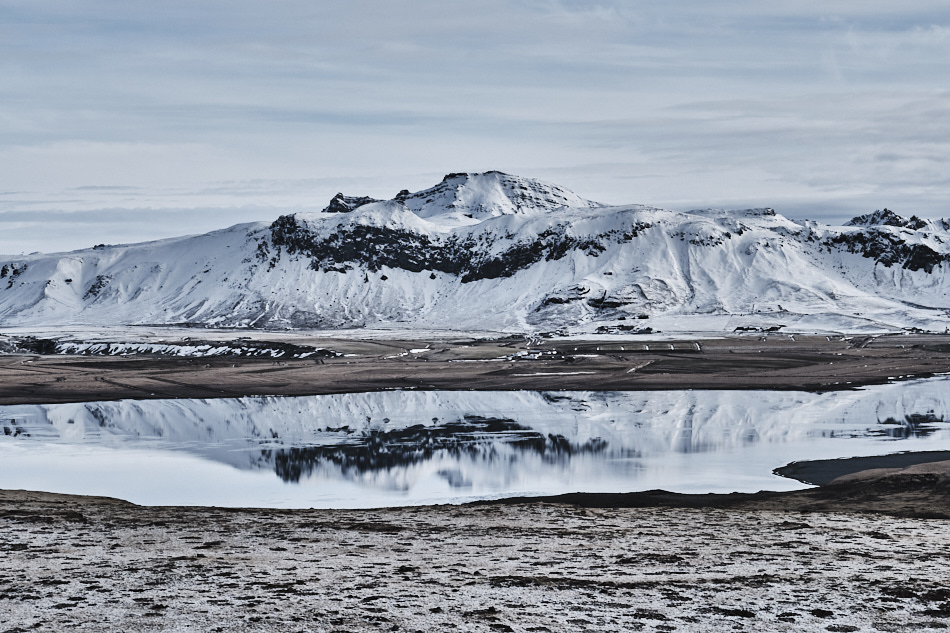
[502,252]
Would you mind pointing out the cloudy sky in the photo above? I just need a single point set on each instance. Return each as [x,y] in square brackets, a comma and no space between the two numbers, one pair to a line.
[127,120]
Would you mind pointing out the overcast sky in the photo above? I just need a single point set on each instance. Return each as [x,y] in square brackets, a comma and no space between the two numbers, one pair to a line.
[126,120]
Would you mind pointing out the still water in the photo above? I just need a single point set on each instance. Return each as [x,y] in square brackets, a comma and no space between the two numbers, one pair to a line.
[415,447]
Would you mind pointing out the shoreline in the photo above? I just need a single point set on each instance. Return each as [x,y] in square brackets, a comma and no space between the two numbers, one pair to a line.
[822,472]
[888,484]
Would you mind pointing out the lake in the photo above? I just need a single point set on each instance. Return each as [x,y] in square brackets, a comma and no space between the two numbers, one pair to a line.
[417,447]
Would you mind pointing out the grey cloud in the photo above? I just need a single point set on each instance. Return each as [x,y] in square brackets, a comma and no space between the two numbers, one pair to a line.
[27,232]
[106,188]
[801,102]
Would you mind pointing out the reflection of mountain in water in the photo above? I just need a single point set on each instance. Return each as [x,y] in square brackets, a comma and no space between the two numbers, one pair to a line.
[913,425]
[393,439]
[474,437]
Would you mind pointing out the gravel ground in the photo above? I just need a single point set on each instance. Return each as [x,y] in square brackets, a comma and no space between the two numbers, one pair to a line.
[811,363]
[779,562]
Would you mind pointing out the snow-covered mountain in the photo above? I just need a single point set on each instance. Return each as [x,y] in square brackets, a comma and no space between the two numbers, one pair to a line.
[495,251]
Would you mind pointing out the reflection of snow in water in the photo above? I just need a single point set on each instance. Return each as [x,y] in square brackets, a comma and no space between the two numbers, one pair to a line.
[408,446]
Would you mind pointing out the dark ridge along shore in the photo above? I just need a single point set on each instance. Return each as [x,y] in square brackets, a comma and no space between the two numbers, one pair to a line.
[778,362]
[901,484]
[819,472]
[870,551]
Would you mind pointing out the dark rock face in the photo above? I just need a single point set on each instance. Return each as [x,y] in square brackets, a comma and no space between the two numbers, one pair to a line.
[101,282]
[468,257]
[345,204]
[35,345]
[888,249]
[13,271]
[886,217]
[368,246]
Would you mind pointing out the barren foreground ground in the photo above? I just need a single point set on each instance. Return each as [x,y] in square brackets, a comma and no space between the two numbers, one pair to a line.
[739,362]
[868,552]
[815,560]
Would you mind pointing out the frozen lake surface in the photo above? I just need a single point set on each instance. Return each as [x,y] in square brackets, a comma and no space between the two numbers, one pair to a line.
[416,447]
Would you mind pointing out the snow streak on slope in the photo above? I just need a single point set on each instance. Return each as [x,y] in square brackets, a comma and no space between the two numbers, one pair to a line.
[494,251]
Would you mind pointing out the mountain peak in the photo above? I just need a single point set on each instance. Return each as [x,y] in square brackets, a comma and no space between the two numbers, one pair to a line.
[344,204]
[886,217]
[478,196]
[471,197]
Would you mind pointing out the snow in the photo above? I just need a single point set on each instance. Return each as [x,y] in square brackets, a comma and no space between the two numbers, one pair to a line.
[708,271]
[181,349]
[464,199]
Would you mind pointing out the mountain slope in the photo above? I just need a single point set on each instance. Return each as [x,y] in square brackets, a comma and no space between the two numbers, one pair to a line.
[494,251]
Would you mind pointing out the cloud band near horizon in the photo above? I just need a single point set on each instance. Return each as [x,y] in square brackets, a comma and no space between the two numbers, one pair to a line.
[132,120]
